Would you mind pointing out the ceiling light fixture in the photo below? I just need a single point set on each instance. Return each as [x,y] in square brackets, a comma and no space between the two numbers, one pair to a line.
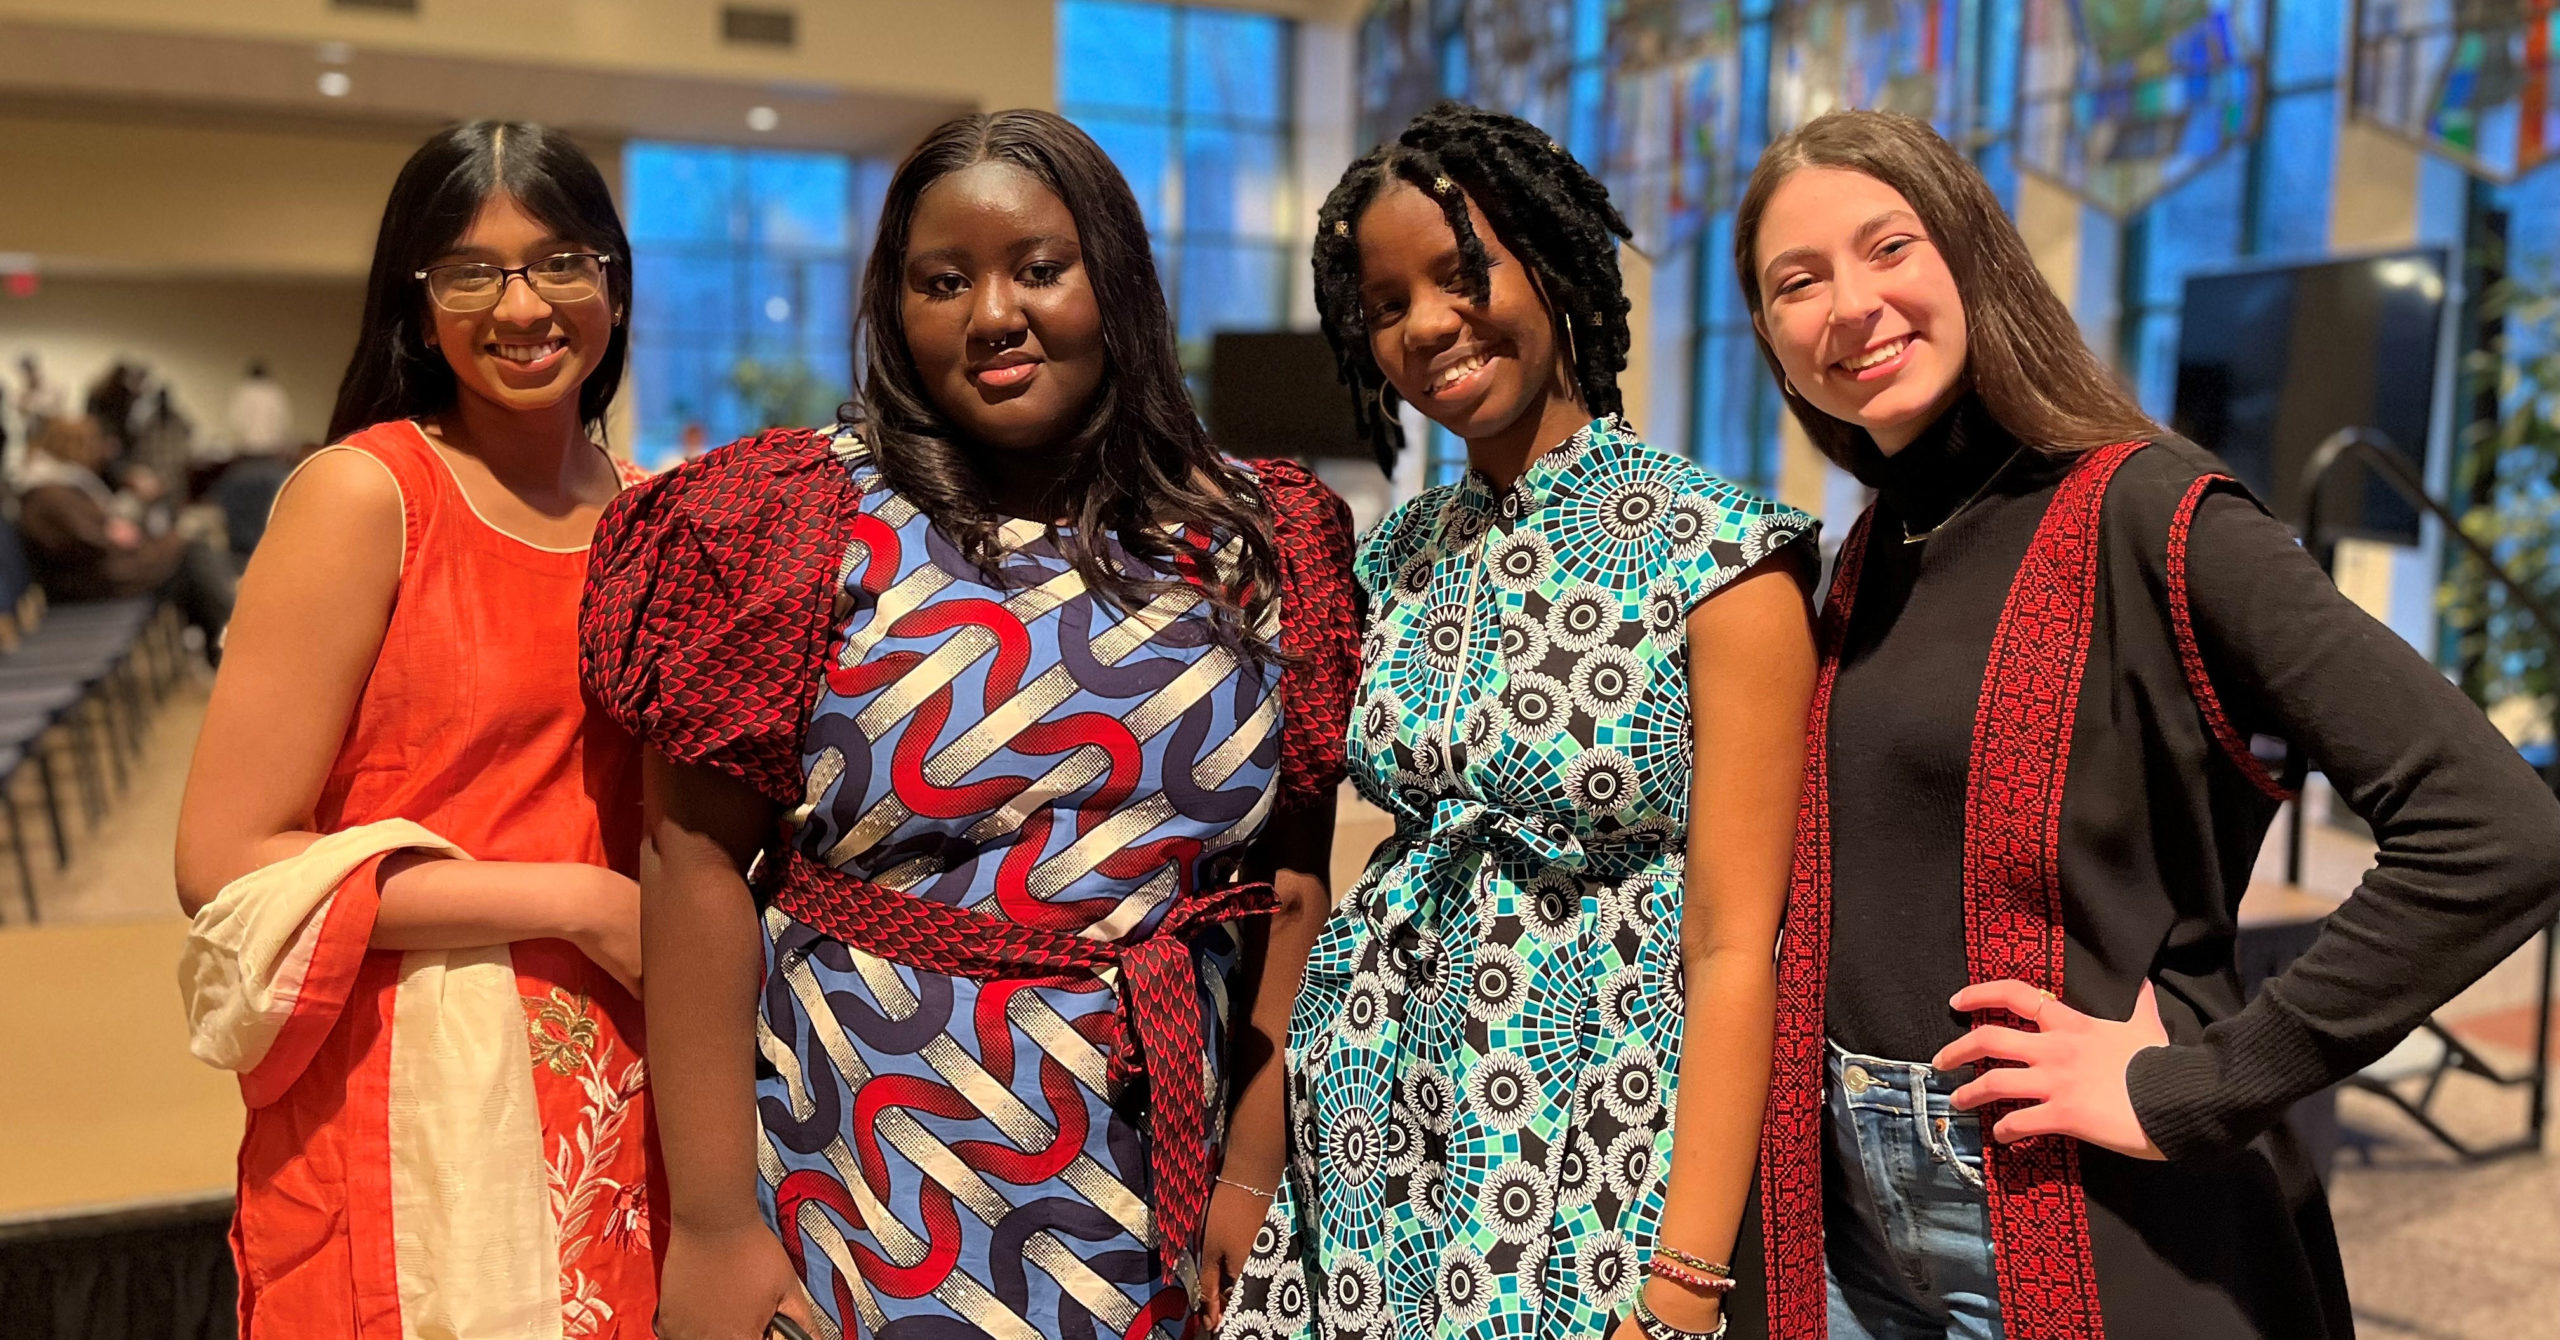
[762,119]
[335,83]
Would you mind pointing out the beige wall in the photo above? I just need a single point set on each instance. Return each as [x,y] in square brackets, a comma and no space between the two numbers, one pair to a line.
[152,195]
[988,53]
[198,333]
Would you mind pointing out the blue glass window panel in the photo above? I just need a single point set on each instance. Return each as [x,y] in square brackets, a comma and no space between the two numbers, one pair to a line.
[799,200]
[2195,227]
[1999,163]
[1755,86]
[2157,359]
[1143,150]
[1233,183]
[814,297]
[1728,425]
[1115,55]
[1230,286]
[1722,301]
[1235,66]
[2309,40]
[2003,29]
[1444,459]
[2095,288]
[2298,155]
[676,192]
[2444,204]
[686,382]
[686,291]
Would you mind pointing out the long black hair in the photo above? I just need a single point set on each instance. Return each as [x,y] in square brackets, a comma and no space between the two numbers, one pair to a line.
[1544,205]
[395,374]
[1141,463]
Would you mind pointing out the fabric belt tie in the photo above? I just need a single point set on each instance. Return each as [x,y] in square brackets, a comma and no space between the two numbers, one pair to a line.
[1155,1030]
[1404,905]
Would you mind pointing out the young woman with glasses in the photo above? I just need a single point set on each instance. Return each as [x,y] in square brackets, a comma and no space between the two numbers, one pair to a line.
[405,649]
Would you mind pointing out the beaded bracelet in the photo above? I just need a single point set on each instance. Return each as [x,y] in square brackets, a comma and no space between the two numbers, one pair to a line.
[1248,1188]
[1660,1268]
[1659,1329]
[1716,1269]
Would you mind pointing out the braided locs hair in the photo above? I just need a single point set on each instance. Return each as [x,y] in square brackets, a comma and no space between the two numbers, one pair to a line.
[1546,208]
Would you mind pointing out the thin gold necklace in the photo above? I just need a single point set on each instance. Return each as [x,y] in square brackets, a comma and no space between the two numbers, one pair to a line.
[1949,518]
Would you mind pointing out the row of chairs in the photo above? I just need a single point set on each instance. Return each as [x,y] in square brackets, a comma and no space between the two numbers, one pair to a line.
[78,686]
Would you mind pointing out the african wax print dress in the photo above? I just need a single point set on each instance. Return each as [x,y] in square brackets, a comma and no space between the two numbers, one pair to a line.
[1482,1059]
[993,1017]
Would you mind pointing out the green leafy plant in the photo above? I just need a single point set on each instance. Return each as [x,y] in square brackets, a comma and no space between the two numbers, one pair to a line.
[786,392]
[2507,481]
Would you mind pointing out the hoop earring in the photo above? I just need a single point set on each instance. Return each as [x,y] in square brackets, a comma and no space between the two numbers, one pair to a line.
[1384,412]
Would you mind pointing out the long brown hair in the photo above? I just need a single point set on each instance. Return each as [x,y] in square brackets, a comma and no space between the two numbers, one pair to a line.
[2024,355]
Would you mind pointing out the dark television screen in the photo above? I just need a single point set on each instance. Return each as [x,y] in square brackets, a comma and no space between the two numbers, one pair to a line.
[2271,362]
[1275,393]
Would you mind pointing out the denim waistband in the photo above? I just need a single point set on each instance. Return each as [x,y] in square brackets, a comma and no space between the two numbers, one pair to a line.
[1882,1085]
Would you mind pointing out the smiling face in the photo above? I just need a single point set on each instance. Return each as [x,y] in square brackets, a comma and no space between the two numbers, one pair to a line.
[1478,369]
[1858,304]
[528,353]
[1000,315]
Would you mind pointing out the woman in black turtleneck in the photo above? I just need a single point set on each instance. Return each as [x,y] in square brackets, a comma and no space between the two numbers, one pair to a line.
[2055,652]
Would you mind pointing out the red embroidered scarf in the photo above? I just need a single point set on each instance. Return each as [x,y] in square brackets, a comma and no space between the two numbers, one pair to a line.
[2013,926]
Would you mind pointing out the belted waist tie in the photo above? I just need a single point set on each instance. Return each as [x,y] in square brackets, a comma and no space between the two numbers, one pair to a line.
[1404,908]
[1155,1030]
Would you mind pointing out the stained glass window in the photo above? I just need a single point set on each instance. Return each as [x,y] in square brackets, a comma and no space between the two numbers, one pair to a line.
[1918,57]
[745,265]
[1194,105]
[2122,100]
[2469,79]
[2266,203]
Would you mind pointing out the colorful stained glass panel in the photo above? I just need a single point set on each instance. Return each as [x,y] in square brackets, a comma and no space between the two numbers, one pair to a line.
[1674,116]
[2121,100]
[1907,56]
[2471,80]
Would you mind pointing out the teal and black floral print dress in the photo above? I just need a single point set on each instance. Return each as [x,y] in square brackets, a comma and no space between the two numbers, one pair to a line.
[1481,1060]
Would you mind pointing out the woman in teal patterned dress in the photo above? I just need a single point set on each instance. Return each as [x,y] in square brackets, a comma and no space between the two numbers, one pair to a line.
[1587,670]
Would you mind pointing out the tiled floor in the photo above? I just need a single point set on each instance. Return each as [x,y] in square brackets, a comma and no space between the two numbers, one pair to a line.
[2435,1250]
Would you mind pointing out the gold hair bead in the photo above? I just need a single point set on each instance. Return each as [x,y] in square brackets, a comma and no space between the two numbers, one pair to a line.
[1342,227]
[1440,185]
[1554,148]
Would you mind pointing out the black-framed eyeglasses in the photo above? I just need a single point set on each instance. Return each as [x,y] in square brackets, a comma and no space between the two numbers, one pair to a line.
[474,286]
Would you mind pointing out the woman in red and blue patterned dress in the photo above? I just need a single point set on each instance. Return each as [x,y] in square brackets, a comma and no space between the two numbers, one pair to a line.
[969,728]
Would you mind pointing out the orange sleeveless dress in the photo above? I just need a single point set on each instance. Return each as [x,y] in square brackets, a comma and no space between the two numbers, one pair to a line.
[473,725]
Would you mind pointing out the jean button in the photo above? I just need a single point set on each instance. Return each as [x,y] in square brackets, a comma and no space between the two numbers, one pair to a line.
[1857,1080]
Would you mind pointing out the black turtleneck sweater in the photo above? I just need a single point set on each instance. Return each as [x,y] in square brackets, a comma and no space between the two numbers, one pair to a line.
[2159,831]
[2463,824]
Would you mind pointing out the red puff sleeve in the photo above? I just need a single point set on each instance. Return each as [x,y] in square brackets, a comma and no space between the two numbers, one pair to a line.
[710,596]
[1320,630]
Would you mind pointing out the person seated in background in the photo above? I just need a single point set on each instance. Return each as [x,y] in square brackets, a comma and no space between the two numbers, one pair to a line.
[84,540]
[261,415]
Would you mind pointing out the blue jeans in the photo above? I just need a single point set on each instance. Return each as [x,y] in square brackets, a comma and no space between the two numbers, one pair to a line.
[1907,1224]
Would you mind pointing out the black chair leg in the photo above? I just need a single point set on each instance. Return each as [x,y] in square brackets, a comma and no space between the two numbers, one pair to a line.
[110,730]
[18,848]
[85,749]
[53,807]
